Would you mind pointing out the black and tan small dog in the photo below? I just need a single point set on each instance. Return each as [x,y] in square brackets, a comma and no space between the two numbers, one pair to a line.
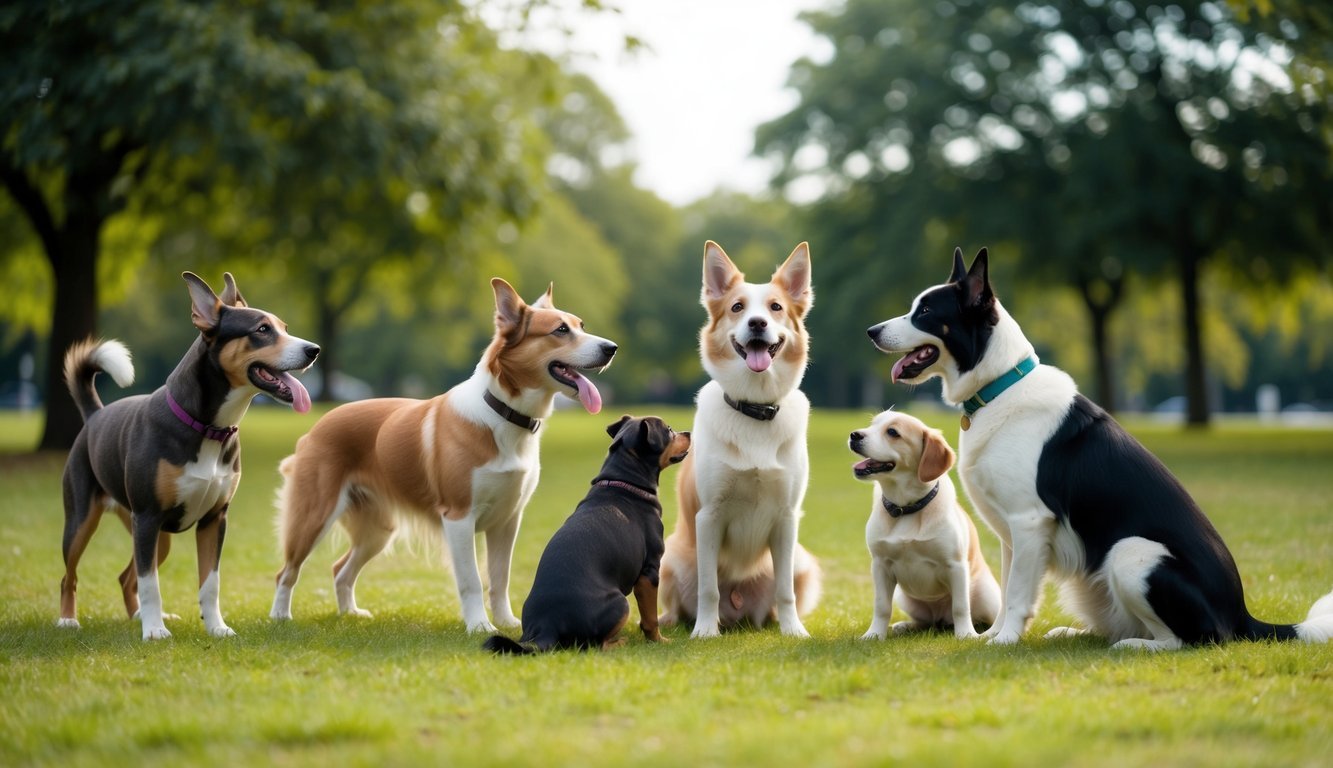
[611,545]
[158,461]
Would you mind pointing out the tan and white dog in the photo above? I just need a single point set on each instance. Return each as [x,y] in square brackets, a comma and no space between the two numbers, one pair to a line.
[733,555]
[924,551]
[464,462]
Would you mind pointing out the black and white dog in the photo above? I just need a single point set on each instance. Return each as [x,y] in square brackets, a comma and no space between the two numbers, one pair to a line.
[1066,488]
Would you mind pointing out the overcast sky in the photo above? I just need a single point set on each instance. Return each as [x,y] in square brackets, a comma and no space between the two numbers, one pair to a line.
[716,69]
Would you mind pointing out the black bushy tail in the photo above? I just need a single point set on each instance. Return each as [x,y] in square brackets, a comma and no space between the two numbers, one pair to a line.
[1317,627]
[501,644]
[86,359]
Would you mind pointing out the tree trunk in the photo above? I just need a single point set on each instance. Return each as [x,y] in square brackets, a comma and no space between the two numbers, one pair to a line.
[74,318]
[1101,296]
[1196,385]
[327,323]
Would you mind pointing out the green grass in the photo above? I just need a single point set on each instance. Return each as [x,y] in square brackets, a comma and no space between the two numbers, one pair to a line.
[410,687]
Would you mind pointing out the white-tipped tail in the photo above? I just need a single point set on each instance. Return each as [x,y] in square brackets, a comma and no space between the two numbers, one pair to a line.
[114,358]
[1318,624]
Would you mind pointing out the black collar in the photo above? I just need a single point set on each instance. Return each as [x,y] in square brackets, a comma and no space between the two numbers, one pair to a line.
[510,415]
[756,411]
[896,511]
[642,493]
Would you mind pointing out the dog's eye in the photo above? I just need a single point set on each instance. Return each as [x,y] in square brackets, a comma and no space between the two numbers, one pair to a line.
[923,310]
[776,307]
[562,330]
[263,328]
[892,432]
[737,307]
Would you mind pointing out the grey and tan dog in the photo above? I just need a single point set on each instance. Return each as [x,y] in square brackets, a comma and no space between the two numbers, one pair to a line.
[170,460]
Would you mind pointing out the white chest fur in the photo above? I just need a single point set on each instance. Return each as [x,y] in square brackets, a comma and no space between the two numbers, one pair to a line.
[205,482]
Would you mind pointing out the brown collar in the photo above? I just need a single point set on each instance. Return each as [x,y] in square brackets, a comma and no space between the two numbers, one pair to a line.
[642,493]
[510,415]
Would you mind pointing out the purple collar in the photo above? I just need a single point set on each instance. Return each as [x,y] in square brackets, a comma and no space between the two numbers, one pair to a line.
[220,434]
[634,489]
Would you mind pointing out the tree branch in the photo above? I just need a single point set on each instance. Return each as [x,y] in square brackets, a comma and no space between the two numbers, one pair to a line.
[30,199]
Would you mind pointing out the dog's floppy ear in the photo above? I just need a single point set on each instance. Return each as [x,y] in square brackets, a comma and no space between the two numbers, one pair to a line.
[205,306]
[546,301]
[959,268]
[614,429]
[719,273]
[936,457]
[653,433]
[231,295]
[509,311]
[794,277]
[976,286]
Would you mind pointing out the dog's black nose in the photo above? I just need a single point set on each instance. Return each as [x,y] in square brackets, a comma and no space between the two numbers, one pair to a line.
[857,437]
[609,348]
[873,332]
[758,323]
[311,352]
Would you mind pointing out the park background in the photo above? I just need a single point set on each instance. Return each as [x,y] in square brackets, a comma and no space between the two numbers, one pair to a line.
[1154,182]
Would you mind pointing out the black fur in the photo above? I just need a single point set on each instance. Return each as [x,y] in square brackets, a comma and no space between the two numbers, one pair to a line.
[1108,487]
[612,543]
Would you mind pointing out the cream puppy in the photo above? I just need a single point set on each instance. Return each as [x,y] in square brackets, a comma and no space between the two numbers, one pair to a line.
[924,552]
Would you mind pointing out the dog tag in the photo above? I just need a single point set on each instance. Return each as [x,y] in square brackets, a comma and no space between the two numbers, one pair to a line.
[966,422]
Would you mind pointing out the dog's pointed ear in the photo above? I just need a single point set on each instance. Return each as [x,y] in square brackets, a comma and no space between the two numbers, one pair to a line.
[205,306]
[509,310]
[976,286]
[231,295]
[614,429]
[719,273]
[959,268]
[936,457]
[794,277]
[546,301]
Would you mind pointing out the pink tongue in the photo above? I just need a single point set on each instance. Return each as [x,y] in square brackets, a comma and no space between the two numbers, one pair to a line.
[898,368]
[758,359]
[300,397]
[863,464]
[588,394]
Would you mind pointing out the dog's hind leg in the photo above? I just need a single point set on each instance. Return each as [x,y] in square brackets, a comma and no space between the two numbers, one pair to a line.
[461,536]
[370,527]
[499,556]
[83,511]
[1135,568]
[306,511]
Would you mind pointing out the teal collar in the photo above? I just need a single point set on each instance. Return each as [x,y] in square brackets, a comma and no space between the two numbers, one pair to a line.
[997,387]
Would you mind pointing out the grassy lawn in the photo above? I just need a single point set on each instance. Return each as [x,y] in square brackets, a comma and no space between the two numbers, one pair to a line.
[410,687]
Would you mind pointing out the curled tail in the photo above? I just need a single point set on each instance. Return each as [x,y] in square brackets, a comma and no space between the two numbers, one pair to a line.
[501,644]
[1317,627]
[86,359]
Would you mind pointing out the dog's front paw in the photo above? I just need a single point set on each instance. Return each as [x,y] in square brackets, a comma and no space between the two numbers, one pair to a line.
[1059,632]
[222,630]
[481,627]
[795,630]
[67,623]
[874,634]
[703,631]
[1004,638]
[278,615]
[156,633]
[360,613]
[990,633]
[965,632]
[508,622]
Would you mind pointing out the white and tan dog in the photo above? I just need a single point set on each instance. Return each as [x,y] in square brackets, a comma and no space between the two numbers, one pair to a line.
[733,555]
[924,550]
[464,462]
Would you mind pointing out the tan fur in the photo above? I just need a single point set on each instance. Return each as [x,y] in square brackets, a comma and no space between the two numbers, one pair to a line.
[367,463]
[165,485]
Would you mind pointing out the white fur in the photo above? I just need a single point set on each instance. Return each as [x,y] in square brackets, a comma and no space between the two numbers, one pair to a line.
[150,607]
[114,358]
[920,561]
[1318,624]
[209,609]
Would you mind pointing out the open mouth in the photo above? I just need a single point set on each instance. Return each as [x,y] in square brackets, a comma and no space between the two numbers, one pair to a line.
[869,467]
[281,386]
[678,458]
[758,354]
[916,361]
[584,390]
